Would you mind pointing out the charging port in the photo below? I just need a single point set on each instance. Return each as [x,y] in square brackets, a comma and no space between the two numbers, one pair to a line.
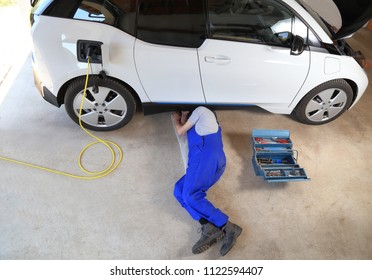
[91,49]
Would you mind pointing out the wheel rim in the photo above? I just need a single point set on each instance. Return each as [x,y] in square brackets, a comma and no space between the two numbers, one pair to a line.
[326,105]
[103,107]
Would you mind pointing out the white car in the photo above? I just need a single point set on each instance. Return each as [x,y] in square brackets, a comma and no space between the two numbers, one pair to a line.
[177,54]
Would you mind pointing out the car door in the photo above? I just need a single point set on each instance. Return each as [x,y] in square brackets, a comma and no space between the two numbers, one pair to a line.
[247,59]
[169,33]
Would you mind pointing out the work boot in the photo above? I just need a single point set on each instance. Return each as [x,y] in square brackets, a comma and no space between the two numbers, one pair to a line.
[232,231]
[210,234]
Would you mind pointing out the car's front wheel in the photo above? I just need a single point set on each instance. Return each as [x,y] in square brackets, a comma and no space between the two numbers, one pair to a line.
[108,105]
[325,103]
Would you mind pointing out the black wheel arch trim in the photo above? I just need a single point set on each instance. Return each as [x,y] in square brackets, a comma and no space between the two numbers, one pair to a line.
[354,87]
[49,97]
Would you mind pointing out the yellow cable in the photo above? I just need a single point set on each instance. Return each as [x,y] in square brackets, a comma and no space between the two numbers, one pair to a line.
[115,161]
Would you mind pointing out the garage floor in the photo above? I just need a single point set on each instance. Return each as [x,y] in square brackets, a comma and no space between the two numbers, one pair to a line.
[132,213]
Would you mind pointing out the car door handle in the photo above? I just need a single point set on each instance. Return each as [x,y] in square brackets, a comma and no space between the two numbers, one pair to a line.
[219,59]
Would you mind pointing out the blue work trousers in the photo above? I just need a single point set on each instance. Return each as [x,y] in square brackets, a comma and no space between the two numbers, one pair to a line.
[206,164]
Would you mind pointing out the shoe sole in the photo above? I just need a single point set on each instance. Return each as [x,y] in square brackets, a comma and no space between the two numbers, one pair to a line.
[206,246]
[238,232]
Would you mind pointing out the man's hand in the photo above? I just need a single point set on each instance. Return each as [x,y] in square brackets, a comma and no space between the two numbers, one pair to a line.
[181,128]
[184,116]
[176,117]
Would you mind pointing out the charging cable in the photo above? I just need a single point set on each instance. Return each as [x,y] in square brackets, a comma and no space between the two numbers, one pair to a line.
[115,150]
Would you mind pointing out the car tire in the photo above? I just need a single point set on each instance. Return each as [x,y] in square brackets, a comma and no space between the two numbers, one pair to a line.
[324,103]
[108,104]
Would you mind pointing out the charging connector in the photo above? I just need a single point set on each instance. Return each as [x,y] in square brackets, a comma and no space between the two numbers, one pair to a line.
[89,50]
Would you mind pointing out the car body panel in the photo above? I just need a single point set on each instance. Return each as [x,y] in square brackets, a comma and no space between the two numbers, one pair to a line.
[174,76]
[238,73]
[55,52]
[319,73]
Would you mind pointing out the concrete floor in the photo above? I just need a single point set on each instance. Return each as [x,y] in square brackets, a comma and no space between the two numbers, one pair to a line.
[132,213]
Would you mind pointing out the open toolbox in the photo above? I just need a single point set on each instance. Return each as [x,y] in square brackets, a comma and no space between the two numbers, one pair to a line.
[274,157]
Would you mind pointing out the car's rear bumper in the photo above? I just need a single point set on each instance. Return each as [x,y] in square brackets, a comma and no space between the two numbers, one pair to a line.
[44,92]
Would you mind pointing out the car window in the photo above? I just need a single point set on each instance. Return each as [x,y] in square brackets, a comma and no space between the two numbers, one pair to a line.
[172,22]
[90,10]
[115,12]
[253,21]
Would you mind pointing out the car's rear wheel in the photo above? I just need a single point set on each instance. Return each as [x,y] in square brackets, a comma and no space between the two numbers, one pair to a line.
[108,105]
[325,103]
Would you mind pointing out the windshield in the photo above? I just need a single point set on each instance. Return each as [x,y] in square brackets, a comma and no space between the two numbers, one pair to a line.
[325,12]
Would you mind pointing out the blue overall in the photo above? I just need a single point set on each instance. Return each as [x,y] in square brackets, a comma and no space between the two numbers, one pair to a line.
[206,164]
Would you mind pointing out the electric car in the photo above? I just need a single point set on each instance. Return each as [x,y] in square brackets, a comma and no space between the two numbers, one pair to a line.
[168,55]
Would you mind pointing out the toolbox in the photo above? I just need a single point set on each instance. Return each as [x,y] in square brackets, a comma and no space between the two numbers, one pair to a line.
[274,157]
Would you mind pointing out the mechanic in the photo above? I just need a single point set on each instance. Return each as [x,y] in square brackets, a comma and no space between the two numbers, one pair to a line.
[206,164]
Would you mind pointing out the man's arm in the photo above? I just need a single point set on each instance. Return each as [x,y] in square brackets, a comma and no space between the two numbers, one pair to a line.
[181,128]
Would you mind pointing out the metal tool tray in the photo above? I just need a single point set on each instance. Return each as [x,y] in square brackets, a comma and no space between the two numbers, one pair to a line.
[274,158]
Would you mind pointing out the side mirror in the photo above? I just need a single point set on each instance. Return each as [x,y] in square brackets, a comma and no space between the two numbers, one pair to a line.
[298,45]
[284,38]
